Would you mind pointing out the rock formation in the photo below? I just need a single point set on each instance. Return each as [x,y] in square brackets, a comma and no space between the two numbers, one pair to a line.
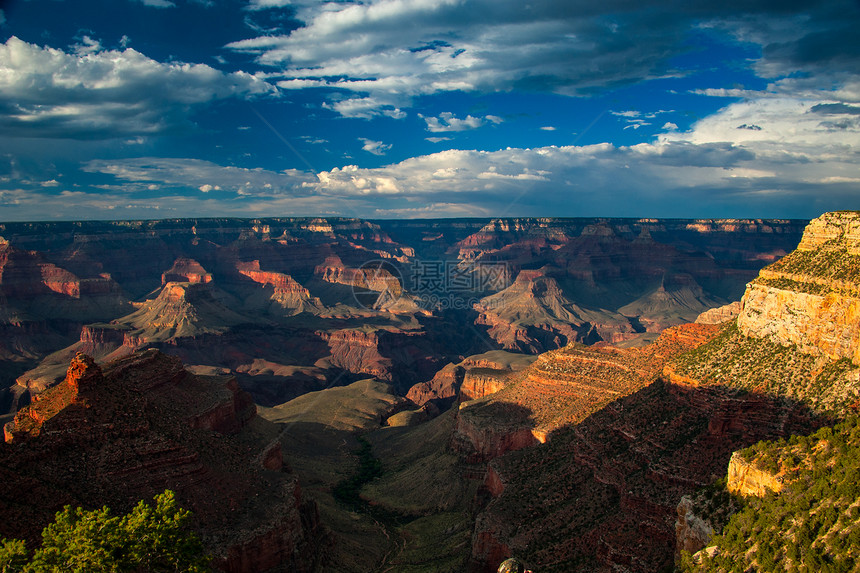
[533,315]
[619,471]
[62,285]
[745,478]
[692,533]
[141,424]
[287,295]
[720,314]
[474,377]
[811,298]
[186,270]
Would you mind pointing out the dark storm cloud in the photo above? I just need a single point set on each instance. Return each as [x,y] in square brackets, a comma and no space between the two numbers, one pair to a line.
[394,50]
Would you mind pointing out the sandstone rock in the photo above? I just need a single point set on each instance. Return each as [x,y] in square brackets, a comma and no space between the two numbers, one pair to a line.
[691,531]
[480,382]
[811,298]
[141,424]
[840,227]
[444,385]
[84,374]
[720,314]
[287,293]
[818,324]
[185,270]
[744,478]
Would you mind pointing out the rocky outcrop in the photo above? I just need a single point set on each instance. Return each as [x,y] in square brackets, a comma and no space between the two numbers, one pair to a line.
[185,270]
[487,431]
[182,310]
[444,385]
[83,375]
[358,351]
[692,533]
[811,298]
[373,276]
[286,293]
[562,387]
[720,314]
[390,354]
[840,227]
[826,324]
[486,373]
[480,382]
[745,478]
[533,315]
[117,434]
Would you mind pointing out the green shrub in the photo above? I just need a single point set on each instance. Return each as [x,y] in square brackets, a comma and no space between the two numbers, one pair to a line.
[149,539]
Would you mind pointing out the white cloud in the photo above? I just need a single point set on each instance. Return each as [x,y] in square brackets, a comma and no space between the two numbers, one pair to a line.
[437,139]
[697,173]
[374,147]
[365,108]
[679,175]
[448,122]
[775,120]
[548,128]
[158,3]
[398,49]
[175,173]
[87,46]
[268,4]
[97,93]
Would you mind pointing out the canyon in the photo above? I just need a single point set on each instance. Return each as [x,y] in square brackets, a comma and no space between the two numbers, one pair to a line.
[393,299]
[546,379]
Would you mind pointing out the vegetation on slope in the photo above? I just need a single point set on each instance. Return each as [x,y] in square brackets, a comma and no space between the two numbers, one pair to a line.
[812,525]
[369,468]
[827,263]
[148,539]
[762,366]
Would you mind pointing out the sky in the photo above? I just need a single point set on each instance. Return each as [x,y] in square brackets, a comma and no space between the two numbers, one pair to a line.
[387,109]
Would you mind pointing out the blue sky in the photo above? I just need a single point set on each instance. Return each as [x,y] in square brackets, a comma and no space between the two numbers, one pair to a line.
[124,109]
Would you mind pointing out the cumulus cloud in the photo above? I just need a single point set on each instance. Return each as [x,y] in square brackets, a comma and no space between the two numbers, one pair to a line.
[374,147]
[397,50]
[94,93]
[365,108]
[87,46]
[779,120]
[694,173]
[448,122]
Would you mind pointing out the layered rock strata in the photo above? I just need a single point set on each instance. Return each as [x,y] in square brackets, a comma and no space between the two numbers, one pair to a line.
[141,424]
[811,298]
